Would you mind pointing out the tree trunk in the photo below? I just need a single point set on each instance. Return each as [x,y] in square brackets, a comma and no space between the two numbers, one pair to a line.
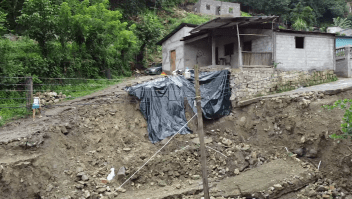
[140,57]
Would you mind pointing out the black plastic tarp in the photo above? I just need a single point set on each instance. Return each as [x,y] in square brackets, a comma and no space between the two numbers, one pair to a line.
[162,101]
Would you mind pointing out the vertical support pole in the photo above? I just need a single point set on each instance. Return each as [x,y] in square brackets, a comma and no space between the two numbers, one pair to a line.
[273,41]
[239,49]
[348,60]
[213,61]
[201,134]
[29,94]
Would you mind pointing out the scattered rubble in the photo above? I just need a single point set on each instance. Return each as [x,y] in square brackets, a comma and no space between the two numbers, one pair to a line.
[73,158]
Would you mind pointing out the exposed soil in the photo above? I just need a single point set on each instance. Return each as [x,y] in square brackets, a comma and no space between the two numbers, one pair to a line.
[71,153]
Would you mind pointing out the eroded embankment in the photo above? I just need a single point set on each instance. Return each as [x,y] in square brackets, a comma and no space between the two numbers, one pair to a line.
[72,159]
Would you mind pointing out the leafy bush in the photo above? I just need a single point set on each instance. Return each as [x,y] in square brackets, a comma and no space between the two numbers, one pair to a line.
[346,126]
[303,13]
[300,25]
[245,14]
[342,23]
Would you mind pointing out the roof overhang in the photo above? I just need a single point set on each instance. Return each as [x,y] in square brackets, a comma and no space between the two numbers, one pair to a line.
[344,36]
[227,22]
[175,31]
[305,32]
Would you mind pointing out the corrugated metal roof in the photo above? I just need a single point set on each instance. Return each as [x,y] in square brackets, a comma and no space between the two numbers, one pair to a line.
[304,32]
[175,31]
[226,22]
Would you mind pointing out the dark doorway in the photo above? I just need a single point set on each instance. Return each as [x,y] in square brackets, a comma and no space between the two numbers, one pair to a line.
[247,46]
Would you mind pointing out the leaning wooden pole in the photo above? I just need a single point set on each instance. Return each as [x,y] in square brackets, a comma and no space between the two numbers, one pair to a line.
[201,134]
[239,49]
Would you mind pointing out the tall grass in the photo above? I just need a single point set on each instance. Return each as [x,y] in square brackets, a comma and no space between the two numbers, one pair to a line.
[14,108]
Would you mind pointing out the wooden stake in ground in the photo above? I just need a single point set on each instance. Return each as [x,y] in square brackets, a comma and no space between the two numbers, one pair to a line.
[201,134]
[29,95]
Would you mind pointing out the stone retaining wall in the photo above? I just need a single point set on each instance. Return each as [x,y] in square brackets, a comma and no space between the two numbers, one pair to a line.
[255,82]
[265,80]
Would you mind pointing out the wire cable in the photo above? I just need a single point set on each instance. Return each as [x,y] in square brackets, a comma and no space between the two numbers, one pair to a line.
[156,152]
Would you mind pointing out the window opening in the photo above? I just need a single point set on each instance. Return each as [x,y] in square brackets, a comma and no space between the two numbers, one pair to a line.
[229,49]
[218,8]
[247,46]
[208,7]
[230,10]
[299,42]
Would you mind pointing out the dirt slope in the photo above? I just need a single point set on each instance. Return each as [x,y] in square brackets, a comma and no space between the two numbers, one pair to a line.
[71,157]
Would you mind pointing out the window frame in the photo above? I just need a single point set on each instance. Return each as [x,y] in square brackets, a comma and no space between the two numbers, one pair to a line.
[230,10]
[297,44]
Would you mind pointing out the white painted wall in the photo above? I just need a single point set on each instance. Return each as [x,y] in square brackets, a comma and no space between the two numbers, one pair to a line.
[318,52]
[174,43]
[191,50]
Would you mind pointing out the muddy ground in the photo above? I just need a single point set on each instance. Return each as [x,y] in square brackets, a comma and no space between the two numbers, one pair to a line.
[72,157]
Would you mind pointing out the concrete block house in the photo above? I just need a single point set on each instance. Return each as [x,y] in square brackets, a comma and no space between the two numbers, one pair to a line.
[237,42]
[212,7]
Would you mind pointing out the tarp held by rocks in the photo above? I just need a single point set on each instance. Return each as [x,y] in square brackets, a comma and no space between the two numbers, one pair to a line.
[162,101]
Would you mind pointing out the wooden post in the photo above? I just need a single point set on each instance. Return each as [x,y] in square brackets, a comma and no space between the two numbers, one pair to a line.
[29,95]
[213,61]
[239,49]
[201,134]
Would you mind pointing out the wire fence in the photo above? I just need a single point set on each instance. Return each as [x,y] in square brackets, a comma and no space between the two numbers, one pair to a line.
[231,88]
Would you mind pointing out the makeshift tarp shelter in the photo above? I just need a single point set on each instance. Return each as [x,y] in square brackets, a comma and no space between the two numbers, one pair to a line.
[162,101]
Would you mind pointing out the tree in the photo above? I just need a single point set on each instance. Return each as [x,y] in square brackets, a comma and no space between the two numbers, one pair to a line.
[303,13]
[63,28]
[148,31]
[2,23]
[12,9]
[39,18]
[107,40]
[300,25]
[342,23]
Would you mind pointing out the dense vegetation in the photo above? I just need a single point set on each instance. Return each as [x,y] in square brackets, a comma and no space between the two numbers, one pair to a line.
[78,39]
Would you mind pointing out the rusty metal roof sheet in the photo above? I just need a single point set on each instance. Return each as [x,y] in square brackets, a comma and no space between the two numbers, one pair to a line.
[226,22]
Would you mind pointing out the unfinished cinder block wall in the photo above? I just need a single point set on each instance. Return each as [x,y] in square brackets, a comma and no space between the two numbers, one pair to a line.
[210,7]
[318,52]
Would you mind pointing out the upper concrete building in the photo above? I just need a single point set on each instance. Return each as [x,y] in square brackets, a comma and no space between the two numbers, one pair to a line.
[212,7]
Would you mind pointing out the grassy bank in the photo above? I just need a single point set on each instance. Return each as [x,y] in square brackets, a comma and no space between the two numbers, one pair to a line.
[12,104]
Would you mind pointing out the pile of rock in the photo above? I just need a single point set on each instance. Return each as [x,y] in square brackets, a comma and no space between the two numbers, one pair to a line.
[323,188]
[47,98]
